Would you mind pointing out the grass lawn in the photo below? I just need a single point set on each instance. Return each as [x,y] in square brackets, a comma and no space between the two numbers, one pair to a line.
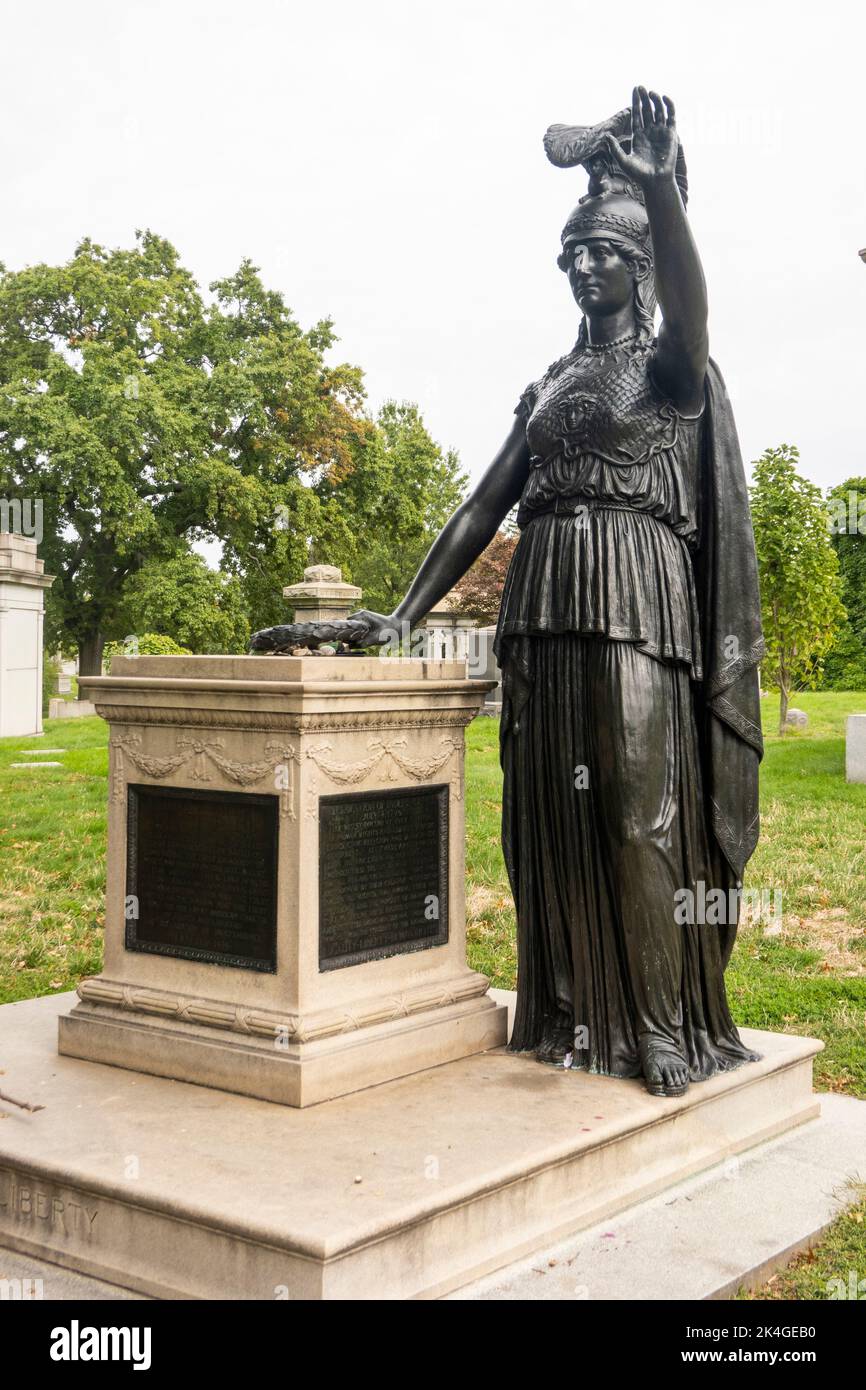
[803,974]
[52,858]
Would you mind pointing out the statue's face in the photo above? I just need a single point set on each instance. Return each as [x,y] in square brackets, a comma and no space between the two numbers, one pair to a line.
[601,281]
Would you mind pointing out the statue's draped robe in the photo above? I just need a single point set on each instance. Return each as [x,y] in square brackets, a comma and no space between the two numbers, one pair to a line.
[629,638]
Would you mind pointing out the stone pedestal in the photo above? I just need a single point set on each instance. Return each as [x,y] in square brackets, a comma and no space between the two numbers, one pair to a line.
[323,597]
[285,895]
[22,590]
[855,748]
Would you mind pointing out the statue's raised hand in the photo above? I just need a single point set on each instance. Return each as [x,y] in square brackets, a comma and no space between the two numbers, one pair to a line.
[654,140]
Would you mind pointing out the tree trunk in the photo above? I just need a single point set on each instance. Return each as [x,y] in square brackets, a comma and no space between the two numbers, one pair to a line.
[90,654]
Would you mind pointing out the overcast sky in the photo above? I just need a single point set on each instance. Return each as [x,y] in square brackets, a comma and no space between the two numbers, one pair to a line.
[382,163]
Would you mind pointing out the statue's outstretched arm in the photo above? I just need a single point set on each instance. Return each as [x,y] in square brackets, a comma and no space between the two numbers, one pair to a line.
[463,538]
[681,360]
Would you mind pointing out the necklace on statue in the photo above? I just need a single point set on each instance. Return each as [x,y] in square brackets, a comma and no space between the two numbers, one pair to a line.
[614,343]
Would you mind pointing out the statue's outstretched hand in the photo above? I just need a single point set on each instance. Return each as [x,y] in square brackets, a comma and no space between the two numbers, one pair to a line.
[654,140]
[381,627]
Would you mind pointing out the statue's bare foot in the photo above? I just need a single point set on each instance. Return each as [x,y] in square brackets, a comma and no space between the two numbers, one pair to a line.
[665,1070]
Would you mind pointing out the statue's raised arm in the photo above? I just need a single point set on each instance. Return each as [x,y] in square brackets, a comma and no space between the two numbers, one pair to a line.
[652,164]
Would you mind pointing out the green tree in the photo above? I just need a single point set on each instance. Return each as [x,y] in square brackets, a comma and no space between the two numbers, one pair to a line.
[145,419]
[202,609]
[800,584]
[391,503]
[845,665]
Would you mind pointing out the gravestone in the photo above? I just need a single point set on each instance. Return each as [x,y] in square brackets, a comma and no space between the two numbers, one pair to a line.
[285,910]
[58,708]
[486,667]
[855,748]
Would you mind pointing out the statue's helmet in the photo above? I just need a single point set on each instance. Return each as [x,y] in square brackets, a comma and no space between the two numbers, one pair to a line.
[612,215]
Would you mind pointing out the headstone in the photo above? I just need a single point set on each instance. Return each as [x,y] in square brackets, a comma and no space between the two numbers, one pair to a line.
[59,708]
[797,718]
[22,592]
[63,683]
[285,910]
[323,596]
[486,668]
[855,748]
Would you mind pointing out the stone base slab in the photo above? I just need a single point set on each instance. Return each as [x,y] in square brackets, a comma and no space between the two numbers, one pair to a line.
[405,1190]
[727,1228]
[279,1070]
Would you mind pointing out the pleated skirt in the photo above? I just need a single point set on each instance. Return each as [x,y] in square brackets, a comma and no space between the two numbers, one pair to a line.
[604,825]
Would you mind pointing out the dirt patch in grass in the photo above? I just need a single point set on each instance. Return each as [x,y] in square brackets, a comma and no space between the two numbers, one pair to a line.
[480,901]
[840,943]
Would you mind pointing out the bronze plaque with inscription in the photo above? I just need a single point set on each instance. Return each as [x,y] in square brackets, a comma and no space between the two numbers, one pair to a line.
[201,876]
[383,874]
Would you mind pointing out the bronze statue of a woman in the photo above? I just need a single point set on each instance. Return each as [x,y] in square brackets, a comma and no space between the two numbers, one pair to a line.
[629,638]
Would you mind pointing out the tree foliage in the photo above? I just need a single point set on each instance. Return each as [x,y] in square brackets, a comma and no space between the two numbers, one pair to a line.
[845,665]
[202,609]
[147,418]
[799,572]
[394,501]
